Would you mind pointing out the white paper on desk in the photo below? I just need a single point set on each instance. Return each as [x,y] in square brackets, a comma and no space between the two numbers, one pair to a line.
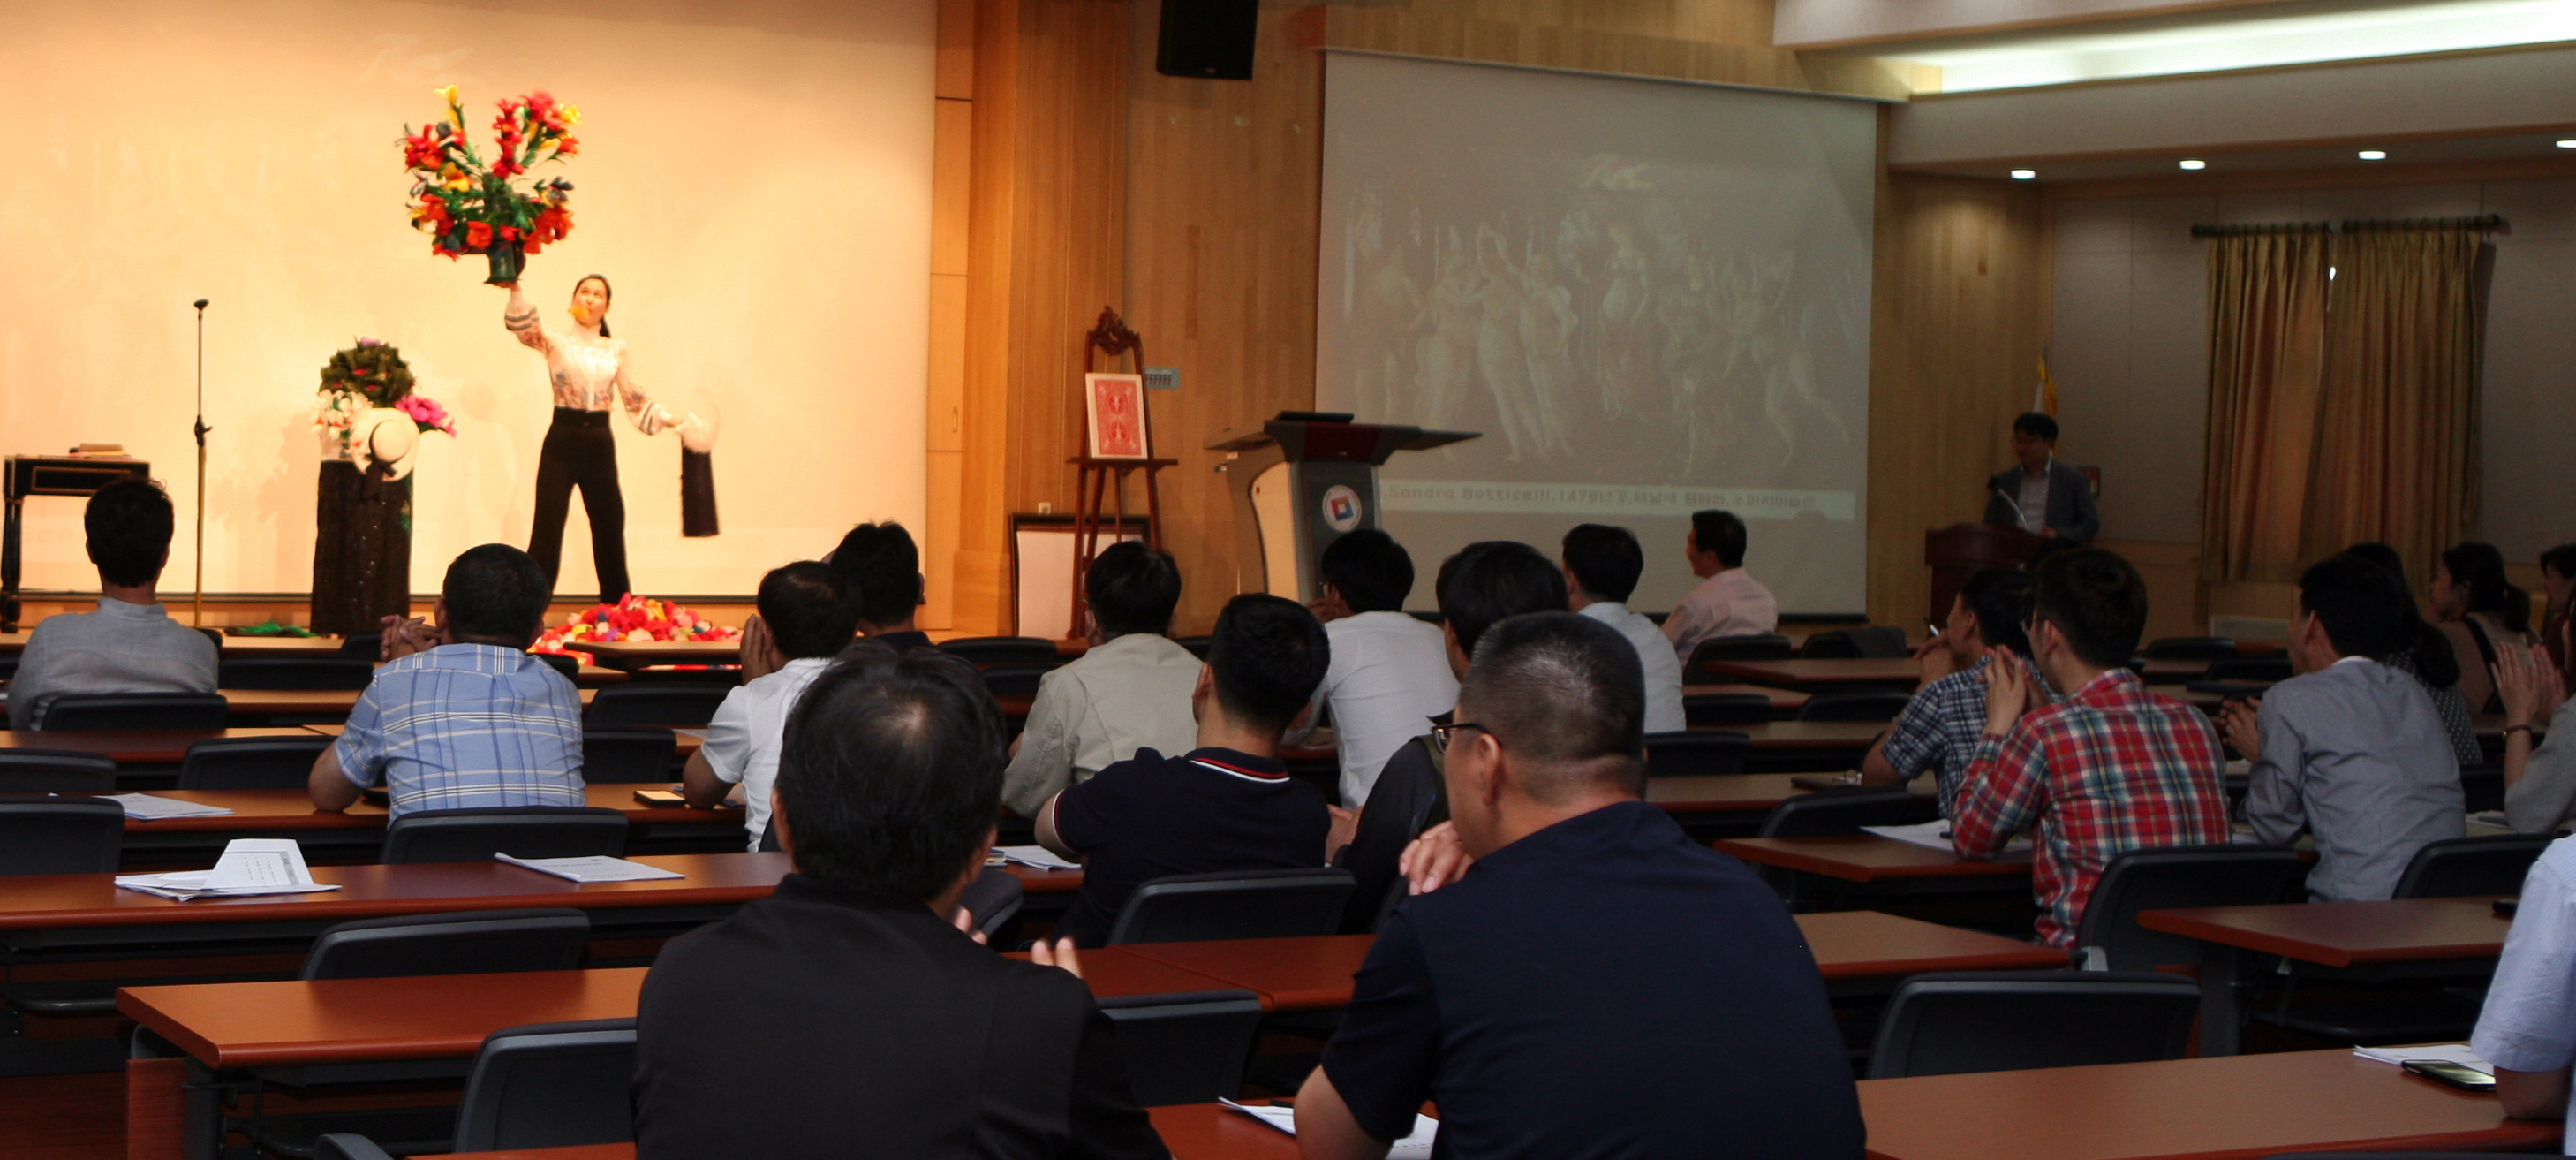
[2459,1053]
[1285,1119]
[259,864]
[592,868]
[1038,856]
[147,808]
[1935,835]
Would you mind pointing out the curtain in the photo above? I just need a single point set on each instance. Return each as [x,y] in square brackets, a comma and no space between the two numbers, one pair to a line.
[2396,437]
[2267,321]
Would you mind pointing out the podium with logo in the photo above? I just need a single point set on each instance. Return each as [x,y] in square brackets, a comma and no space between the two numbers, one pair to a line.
[1301,481]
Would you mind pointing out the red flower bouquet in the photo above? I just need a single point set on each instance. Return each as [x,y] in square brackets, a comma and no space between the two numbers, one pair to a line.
[467,207]
[633,619]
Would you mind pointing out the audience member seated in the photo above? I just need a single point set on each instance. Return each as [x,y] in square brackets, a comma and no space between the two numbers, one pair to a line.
[2558,587]
[846,1013]
[1728,601]
[461,716]
[130,645]
[1390,672]
[1130,692]
[2349,750]
[2539,780]
[809,615]
[1940,727]
[2527,1029]
[1596,983]
[883,569]
[1227,804]
[2109,768]
[2430,660]
[2482,614]
[1602,564]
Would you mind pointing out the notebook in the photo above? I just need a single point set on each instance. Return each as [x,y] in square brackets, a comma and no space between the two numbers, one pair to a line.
[592,868]
[1285,1119]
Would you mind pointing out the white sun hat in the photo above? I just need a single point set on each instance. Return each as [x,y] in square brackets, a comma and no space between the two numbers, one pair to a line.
[383,435]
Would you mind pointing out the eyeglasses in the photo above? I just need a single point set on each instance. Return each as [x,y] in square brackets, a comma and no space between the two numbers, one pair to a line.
[1448,734]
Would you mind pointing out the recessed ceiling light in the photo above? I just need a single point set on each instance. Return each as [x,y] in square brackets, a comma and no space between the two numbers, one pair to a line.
[2569,144]
[2195,164]
[2024,174]
[2374,155]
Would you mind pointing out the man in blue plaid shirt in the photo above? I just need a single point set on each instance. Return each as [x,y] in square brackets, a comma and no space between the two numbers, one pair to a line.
[461,716]
[1938,730]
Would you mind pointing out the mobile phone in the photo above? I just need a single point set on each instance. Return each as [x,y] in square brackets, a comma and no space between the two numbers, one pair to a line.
[660,797]
[2504,907]
[2458,1075]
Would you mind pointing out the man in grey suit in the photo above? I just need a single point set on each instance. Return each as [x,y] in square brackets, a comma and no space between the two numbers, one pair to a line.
[2042,496]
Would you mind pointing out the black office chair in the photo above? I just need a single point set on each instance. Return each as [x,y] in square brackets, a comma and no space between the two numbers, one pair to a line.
[1767,647]
[294,672]
[2249,669]
[1696,751]
[1235,904]
[1186,1048]
[991,901]
[1875,641]
[673,704]
[365,646]
[1950,1022]
[2109,938]
[1833,645]
[51,835]
[1854,706]
[136,711]
[521,831]
[568,665]
[1836,812]
[1407,799]
[1009,680]
[251,762]
[1198,645]
[545,1085]
[2192,648]
[1706,709]
[2481,788]
[56,771]
[2467,867]
[472,942]
[1003,650]
[627,755]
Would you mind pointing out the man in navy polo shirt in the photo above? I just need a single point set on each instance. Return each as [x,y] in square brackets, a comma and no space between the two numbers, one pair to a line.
[1594,984]
[1228,804]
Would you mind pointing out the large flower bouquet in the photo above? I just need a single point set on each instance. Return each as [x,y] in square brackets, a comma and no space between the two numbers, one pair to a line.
[364,377]
[632,619]
[467,207]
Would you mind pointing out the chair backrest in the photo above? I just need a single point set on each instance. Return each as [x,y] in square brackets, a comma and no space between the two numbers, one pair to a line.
[627,755]
[56,771]
[672,704]
[1198,645]
[2271,668]
[1880,641]
[1186,1048]
[1007,680]
[1836,812]
[564,663]
[1235,904]
[992,900]
[347,1146]
[1767,647]
[550,1085]
[2465,867]
[2481,788]
[1003,650]
[251,762]
[1407,799]
[1865,705]
[2172,878]
[2192,648]
[1836,644]
[519,831]
[474,942]
[1725,708]
[1961,1021]
[50,835]
[290,672]
[136,711]
[365,646]
[1696,751]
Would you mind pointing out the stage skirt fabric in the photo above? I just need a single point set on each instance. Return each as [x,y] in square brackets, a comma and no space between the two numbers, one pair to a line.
[361,550]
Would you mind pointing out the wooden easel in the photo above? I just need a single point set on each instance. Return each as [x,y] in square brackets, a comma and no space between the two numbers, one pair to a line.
[1109,339]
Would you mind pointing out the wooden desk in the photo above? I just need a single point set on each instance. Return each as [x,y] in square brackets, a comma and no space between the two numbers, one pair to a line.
[129,746]
[1810,735]
[1819,675]
[685,740]
[310,701]
[1191,1131]
[1782,700]
[1724,793]
[2239,1108]
[1290,974]
[2161,671]
[1869,858]
[2334,934]
[641,653]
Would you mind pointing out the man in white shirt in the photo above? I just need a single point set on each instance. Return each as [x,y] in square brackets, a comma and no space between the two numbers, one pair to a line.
[808,615]
[1728,601]
[1390,672]
[2527,1030]
[1602,564]
[1130,691]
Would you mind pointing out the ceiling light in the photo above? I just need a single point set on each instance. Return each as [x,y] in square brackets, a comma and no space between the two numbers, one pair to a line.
[2195,164]
[2570,144]
[2374,155]
[2024,174]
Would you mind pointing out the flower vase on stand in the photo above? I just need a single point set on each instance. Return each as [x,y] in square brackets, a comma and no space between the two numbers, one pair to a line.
[507,259]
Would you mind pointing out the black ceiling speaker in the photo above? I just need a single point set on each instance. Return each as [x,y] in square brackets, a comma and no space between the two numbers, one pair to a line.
[1208,39]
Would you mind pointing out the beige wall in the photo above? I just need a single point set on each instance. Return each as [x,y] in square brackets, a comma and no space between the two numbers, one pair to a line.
[755,177]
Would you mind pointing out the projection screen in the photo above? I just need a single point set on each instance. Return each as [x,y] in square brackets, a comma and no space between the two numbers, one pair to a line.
[1650,297]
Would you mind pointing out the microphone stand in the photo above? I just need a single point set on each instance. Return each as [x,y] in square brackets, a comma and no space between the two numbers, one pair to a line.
[201,429]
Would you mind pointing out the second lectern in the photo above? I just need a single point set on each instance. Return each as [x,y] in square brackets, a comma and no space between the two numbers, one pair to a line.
[1302,481]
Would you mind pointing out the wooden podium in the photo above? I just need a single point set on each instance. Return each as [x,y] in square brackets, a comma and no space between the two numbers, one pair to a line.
[1962,550]
[1301,481]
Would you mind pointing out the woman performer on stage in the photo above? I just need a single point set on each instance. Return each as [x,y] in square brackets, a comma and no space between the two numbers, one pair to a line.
[588,370]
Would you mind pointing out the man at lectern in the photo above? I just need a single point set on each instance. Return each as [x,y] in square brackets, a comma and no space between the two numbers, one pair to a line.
[2042,496]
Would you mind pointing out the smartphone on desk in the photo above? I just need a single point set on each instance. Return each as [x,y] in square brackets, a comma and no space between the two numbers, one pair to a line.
[2447,1073]
[2504,907]
[660,797]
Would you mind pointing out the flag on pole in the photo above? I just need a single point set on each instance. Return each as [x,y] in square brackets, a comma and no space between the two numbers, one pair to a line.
[2043,398]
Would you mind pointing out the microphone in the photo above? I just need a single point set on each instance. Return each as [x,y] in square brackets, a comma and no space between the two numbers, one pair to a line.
[201,304]
[2019,516]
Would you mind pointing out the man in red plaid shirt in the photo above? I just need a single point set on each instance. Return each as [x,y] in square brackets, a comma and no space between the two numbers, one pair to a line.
[2109,769]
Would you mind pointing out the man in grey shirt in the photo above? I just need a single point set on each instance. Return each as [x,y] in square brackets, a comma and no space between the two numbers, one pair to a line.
[1131,691]
[2350,750]
[130,645]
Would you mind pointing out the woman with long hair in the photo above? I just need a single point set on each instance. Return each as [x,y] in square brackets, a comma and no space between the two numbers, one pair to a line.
[2430,661]
[2483,614]
[588,371]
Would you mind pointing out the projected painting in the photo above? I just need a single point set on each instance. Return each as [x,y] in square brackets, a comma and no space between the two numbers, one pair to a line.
[1651,298]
